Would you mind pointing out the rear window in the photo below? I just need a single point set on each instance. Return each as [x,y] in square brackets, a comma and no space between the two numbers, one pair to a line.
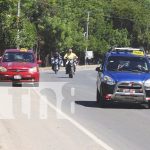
[18,57]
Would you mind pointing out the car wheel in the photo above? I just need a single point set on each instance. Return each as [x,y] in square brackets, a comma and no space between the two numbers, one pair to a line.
[97,96]
[148,105]
[100,99]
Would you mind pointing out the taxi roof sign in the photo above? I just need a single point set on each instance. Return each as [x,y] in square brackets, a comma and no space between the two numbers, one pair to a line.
[23,50]
[135,51]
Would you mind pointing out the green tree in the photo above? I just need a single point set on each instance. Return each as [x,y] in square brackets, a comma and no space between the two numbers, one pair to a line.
[59,24]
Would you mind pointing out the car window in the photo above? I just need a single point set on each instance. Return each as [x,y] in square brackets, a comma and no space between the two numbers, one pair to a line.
[117,63]
[18,57]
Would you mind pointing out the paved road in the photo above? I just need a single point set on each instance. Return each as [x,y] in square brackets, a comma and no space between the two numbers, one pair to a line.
[62,115]
[122,127]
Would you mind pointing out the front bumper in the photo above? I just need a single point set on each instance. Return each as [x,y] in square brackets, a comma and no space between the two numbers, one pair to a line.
[126,92]
[24,77]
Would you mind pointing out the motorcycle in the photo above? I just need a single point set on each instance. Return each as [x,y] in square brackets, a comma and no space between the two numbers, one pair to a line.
[70,67]
[55,65]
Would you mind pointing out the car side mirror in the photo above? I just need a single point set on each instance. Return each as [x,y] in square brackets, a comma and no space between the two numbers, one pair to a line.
[99,69]
[39,61]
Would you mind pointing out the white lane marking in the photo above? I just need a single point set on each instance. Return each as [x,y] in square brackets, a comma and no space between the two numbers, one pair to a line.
[76,124]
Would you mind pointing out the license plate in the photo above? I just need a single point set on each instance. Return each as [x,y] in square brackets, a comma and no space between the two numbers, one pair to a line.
[132,91]
[17,77]
[128,90]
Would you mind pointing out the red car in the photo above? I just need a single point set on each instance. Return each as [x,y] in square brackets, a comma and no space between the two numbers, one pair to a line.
[19,66]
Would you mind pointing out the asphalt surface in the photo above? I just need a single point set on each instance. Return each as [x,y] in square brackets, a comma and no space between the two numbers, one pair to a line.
[121,126]
[62,114]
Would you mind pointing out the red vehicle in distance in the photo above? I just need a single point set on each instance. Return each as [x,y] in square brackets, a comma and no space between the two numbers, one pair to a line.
[19,66]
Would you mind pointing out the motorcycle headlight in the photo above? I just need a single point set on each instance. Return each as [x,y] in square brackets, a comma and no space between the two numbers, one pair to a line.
[108,80]
[32,70]
[147,83]
[3,69]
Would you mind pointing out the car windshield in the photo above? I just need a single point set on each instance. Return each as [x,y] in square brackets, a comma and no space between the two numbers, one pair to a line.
[134,64]
[18,57]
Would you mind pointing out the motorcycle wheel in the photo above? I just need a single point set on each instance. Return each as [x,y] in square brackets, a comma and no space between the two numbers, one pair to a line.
[70,75]
[56,71]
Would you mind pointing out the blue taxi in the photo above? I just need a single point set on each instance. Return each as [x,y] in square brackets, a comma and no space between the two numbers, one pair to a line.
[124,76]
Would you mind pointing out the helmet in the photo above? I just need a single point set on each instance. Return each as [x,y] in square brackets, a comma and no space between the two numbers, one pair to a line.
[70,50]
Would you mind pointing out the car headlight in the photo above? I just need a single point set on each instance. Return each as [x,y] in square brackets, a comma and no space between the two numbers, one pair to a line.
[108,80]
[147,83]
[3,69]
[34,69]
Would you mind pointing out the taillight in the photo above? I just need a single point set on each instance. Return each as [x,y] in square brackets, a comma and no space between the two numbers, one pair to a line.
[108,97]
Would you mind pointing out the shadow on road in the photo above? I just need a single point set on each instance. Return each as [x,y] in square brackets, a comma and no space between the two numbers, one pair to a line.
[93,104]
[87,103]
[63,77]
[51,73]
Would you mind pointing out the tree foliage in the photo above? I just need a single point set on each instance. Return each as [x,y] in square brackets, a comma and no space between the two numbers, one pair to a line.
[59,24]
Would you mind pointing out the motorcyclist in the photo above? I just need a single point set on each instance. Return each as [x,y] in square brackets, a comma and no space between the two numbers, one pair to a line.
[70,56]
[56,55]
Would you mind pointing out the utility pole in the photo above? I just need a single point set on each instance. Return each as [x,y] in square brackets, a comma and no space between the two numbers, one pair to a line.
[87,34]
[18,18]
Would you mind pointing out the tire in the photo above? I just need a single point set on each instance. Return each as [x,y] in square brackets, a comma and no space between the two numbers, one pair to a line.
[100,99]
[148,105]
[97,96]
[56,71]
[74,68]
[70,75]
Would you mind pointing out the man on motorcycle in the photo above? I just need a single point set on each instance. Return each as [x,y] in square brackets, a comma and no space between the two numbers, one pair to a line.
[70,56]
[55,56]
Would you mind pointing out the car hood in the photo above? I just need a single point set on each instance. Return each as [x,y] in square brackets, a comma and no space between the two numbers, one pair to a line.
[126,76]
[18,65]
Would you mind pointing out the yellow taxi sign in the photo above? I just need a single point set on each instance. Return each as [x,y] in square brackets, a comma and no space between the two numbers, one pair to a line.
[138,52]
[23,50]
